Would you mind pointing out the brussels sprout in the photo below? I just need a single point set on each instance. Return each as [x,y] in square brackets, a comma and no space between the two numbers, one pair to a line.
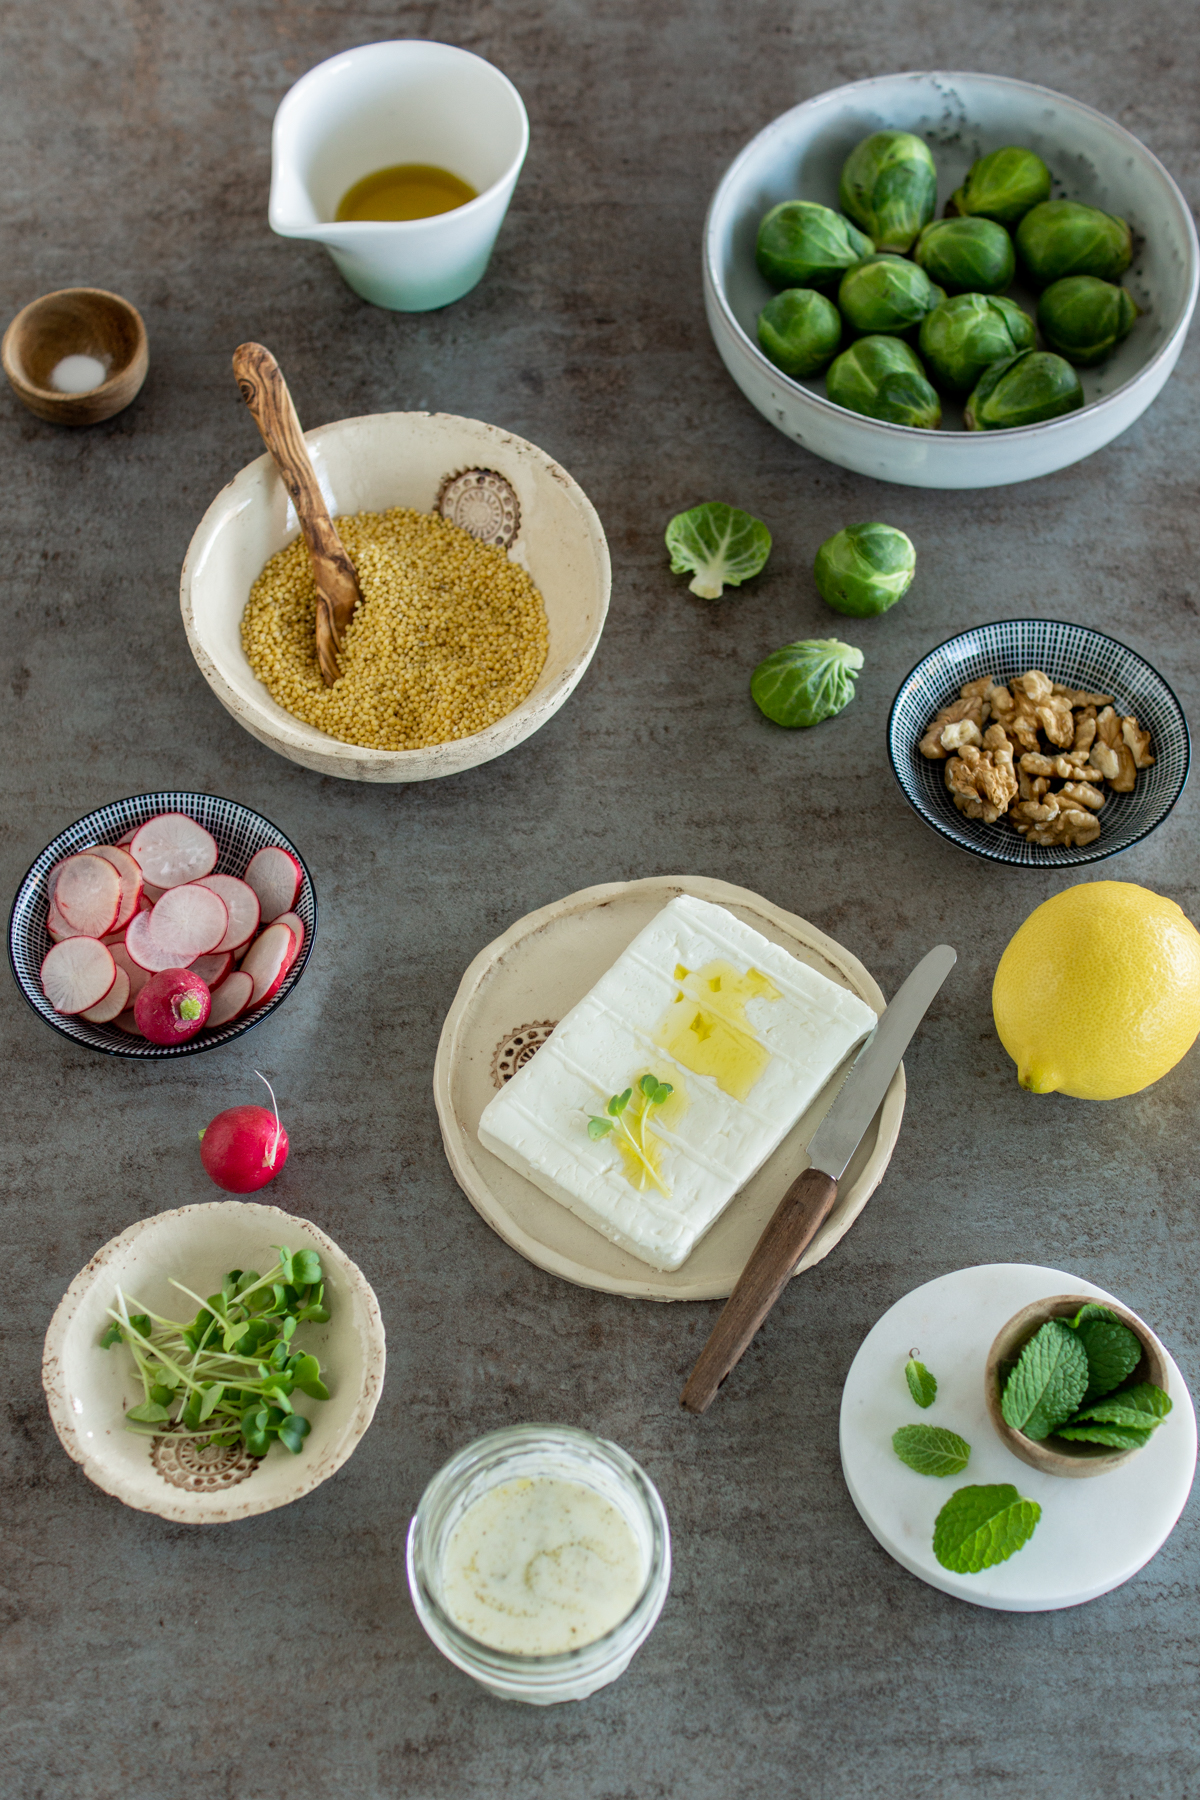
[720,543]
[799,330]
[883,378]
[889,187]
[964,336]
[1061,237]
[864,569]
[887,294]
[806,682]
[801,244]
[967,256]
[1025,390]
[1003,186]
[1085,319]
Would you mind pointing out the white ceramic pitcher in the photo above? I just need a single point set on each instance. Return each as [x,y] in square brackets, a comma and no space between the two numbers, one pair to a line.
[404,101]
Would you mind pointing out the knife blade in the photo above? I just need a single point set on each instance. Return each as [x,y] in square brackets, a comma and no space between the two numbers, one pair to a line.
[809,1200]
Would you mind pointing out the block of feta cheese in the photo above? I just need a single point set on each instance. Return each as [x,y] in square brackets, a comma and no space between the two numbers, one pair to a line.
[745,1035]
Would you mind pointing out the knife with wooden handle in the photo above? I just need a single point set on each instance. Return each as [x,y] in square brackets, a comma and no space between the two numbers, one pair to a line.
[809,1200]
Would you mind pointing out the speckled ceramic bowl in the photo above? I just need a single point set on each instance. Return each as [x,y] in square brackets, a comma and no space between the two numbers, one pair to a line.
[369,464]
[1079,658]
[961,117]
[239,832]
[88,1389]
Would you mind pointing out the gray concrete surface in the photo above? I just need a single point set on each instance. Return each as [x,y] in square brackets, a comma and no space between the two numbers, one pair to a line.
[280,1656]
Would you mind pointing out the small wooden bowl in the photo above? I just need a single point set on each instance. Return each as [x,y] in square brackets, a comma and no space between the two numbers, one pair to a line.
[76,322]
[1074,1460]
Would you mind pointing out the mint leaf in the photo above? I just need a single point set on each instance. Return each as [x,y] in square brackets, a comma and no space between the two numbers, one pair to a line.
[921,1384]
[1142,1407]
[1048,1382]
[981,1526]
[1117,1437]
[1092,1311]
[931,1449]
[1113,1353]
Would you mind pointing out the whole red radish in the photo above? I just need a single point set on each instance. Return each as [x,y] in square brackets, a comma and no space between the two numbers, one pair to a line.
[173,1006]
[245,1147]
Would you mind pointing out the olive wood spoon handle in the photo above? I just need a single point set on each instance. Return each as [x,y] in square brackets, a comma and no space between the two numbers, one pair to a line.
[805,1206]
[260,381]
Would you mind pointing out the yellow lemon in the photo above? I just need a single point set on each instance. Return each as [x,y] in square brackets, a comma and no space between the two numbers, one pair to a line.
[1098,994]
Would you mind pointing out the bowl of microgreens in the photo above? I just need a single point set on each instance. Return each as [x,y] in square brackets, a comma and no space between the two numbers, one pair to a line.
[1074,1387]
[214,1362]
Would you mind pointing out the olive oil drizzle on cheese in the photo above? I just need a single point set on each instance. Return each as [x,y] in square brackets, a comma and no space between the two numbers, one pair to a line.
[706,1027]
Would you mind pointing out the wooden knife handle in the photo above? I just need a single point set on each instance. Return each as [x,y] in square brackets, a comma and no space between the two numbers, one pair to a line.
[263,388]
[804,1207]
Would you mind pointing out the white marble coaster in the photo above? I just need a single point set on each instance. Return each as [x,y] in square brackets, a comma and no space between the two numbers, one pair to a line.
[1092,1534]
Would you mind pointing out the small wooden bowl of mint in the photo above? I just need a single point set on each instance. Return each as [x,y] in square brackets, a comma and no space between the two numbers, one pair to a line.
[1075,1387]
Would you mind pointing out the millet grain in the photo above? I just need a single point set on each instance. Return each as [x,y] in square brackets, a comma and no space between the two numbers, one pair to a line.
[449,637]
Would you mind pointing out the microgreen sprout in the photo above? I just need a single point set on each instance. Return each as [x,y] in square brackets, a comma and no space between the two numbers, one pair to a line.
[230,1373]
[651,1093]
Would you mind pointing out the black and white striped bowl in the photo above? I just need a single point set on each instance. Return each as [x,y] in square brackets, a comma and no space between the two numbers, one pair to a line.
[1079,658]
[239,833]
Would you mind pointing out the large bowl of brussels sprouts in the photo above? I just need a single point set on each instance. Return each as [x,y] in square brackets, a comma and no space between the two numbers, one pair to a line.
[949,281]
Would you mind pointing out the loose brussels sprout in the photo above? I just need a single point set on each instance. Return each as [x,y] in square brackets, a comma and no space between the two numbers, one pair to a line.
[801,244]
[883,378]
[1085,319]
[864,569]
[1003,186]
[1025,390]
[1061,237]
[889,187]
[967,256]
[964,336]
[806,682]
[887,294]
[799,330]
[721,545]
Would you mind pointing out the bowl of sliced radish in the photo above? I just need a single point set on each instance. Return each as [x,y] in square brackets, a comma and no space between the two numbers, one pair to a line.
[162,925]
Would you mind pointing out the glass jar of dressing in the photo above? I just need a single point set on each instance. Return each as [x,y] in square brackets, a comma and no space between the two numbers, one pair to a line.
[539,1559]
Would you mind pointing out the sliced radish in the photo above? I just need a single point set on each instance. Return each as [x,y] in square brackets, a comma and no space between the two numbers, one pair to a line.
[138,977]
[77,973]
[295,925]
[127,837]
[130,878]
[244,909]
[88,894]
[114,1002]
[58,928]
[268,960]
[231,999]
[127,1021]
[171,849]
[189,921]
[275,876]
[153,893]
[144,948]
[214,968]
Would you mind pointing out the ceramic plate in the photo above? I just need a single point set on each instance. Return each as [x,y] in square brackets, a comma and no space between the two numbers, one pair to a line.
[1092,1535]
[88,1388]
[509,1000]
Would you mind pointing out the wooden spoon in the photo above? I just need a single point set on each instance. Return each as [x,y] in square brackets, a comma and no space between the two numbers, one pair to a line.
[265,392]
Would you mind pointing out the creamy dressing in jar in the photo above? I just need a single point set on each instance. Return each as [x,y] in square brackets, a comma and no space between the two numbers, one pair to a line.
[539,1565]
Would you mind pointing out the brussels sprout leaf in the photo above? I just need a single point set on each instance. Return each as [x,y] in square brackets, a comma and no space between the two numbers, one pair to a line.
[721,545]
